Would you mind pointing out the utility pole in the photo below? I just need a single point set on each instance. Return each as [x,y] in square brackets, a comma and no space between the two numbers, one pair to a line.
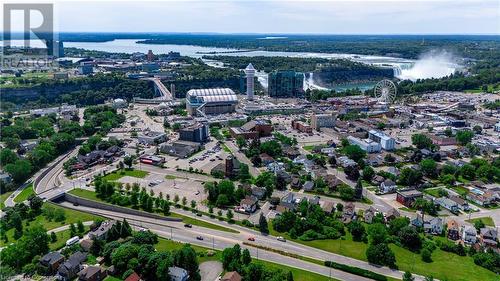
[171,234]
[213,243]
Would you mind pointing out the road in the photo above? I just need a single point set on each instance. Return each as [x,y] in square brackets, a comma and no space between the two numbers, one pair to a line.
[219,240]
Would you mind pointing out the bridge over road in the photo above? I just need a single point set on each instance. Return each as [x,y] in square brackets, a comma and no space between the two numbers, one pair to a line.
[161,89]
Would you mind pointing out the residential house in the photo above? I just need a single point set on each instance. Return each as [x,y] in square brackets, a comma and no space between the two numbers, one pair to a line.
[461,203]
[377,180]
[86,244]
[434,226]
[394,171]
[258,192]
[328,207]
[52,261]
[92,273]
[308,186]
[295,184]
[483,199]
[418,221]
[266,159]
[101,233]
[332,181]
[388,186]
[453,230]
[469,234]
[70,268]
[349,213]
[314,200]
[231,276]
[448,204]
[408,197]
[248,205]
[177,274]
[488,236]
[133,277]
[392,214]
[369,214]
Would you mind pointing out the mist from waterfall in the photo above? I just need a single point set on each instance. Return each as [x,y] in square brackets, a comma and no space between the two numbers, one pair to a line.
[434,64]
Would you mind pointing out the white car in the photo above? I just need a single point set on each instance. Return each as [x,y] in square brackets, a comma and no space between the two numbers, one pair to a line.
[280,238]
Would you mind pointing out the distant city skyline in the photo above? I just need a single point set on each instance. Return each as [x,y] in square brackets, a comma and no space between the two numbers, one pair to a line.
[281,17]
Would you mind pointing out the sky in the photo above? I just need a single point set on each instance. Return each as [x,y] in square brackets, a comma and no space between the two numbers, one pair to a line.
[278,16]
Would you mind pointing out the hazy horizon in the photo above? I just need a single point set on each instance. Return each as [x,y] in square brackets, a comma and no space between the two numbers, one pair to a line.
[355,17]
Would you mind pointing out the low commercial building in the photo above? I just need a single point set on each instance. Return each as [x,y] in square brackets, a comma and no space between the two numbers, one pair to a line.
[319,121]
[366,144]
[408,197]
[386,142]
[301,127]
[195,133]
[181,149]
[152,137]
[252,130]
[101,233]
[230,167]
[152,160]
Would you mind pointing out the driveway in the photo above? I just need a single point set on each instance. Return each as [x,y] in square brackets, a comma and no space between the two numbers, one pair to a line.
[210,270]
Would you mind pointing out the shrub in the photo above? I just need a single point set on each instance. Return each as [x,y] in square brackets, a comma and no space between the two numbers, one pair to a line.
[356,270]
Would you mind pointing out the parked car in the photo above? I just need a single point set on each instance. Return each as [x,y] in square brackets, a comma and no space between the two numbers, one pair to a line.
[188,225]
[280,238]
[251,239]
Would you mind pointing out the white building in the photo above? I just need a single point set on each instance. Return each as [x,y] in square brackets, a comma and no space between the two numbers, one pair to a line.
[250,74]
[366,144]
[386,142]
[211,101]
[119,103]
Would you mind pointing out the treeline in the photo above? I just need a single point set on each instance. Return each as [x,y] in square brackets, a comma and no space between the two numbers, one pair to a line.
[454,82]
[268,64]
[407,46]
[341,71]
[21,164]
[81,91]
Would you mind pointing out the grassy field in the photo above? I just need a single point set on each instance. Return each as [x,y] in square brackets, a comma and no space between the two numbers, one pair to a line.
[24,194]
[433,191]
[193,221]
[114,176]
[4,197]
[62,237]
[92,196]
[298,274]
[488,221]
[72,216]
[445,266]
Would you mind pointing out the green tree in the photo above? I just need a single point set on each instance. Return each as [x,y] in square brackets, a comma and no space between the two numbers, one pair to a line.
[263,227]
[354,152]
[129,161]
[409,238]
[408,276]
[357,230]
[368,173]
[358,190]
[245,257]
[53,237]
[429,167]
[186,258]
[80,227]
[229,215]
[19,170]
[464,137]
[380,254]
[377,233]
[421,141]
[7,156]
[241,142]
[426,255]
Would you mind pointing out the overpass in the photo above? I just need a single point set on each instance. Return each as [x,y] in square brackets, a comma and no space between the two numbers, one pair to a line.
[164,93]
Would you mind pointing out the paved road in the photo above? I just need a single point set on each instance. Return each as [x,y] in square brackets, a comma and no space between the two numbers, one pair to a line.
[219,240]
[210,270]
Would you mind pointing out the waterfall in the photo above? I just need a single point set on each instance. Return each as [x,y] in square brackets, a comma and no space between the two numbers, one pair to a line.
[397,70]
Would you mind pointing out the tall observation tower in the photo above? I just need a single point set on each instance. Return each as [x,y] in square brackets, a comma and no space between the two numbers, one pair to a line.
[250,72]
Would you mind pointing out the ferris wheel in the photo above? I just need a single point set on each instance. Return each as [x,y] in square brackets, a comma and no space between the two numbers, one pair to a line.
[385,91]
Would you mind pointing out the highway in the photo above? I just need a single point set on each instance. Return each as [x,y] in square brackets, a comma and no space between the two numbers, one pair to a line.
[218,240]
[221,239]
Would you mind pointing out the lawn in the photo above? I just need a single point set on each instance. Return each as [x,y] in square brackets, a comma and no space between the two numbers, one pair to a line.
[433,191]
[460,190]
[488,221]
[298,274]
[72,216]
[116,175]
[92,196]
[170,177]
[4,197]
[112,278]
[446,266]
[62,237]
[24,194]
[201,223]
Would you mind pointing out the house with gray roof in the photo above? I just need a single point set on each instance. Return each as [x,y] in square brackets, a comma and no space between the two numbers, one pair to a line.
[70,268]
[178,273]
[434,226]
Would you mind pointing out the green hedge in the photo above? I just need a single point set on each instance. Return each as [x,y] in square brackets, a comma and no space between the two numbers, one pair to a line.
[356,271]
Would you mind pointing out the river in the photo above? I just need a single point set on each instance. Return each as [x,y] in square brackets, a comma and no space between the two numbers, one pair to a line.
[403,68]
